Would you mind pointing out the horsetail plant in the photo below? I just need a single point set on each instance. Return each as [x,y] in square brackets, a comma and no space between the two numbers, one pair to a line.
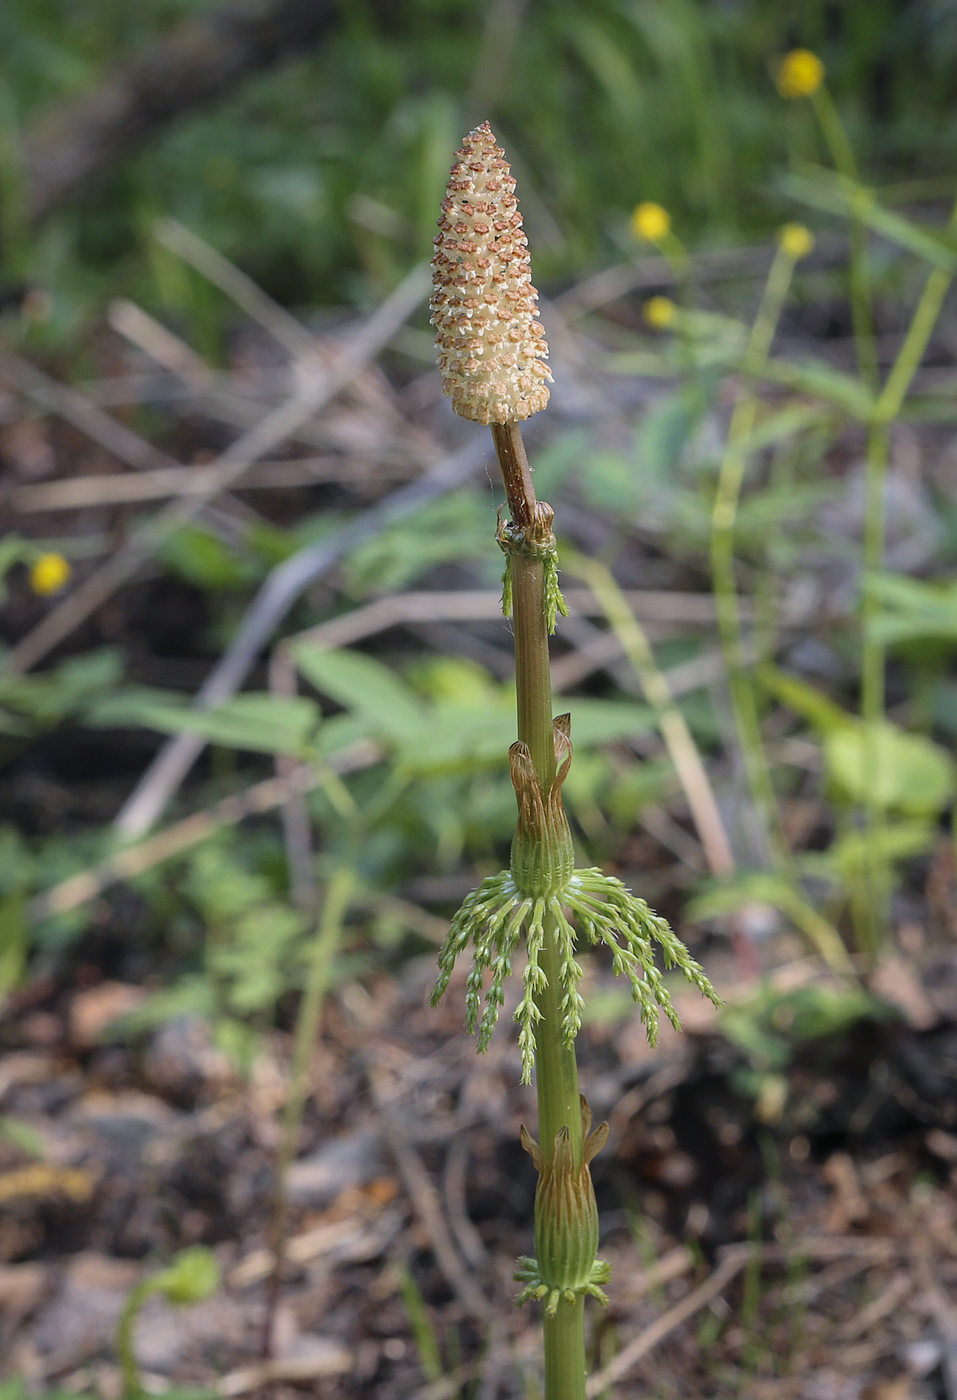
[492,352]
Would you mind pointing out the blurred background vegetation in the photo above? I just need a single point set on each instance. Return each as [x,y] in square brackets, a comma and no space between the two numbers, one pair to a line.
[321,176]
[308,142]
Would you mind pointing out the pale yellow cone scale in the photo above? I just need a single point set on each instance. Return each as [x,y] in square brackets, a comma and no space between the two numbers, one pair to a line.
[490,344]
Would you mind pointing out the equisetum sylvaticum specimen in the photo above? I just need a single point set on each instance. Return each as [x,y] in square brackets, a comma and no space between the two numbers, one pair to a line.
[492,354]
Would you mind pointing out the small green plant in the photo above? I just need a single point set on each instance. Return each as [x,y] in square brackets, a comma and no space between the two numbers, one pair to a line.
[491,353]
[192,1277]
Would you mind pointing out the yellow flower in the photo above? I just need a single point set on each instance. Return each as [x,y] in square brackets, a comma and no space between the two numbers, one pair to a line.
[650,222]
[49,573]
[801,73]
[659,312]
[796,240]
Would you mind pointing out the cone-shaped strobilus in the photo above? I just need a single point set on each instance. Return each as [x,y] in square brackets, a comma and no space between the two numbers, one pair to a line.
[492,354]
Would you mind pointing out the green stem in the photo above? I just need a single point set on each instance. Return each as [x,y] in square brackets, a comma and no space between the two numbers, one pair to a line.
[680,264]
[13,209]
[872,658]
[672,724]
[556,1084]
[860,280]
[324,948]
[556,1068]
[886,410]
[724,516]
[909,357]
[867,914]
[132,1387]
[565,1352]
[533,683]
[556,1071]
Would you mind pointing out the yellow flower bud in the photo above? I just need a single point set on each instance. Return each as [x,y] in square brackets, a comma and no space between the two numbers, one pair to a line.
[650,222]
[660,312]
[48,574]
[801,73]
[490,344]
[796,240]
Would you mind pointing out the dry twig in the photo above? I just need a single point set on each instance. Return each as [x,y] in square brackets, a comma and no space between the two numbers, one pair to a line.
[630,1355]
[275,597]
[58,398]
[78,492]
[735,1258]
[315,391]
[181,836]
[426,1200]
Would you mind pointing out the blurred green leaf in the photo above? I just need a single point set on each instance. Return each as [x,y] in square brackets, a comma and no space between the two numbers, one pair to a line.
[806,700]
[44,699]
[192,1277]
[817,379]
[129,705]
[24,1136]
[13,942]
[881,765]
[455,678]
[761,511]
[458,527]
[364,685]
[877,764]
[854,854]
[204,560]
[910,608]
[773,1025]
[727,896]
[13,550]
[260,722]
[664,433]
[837,194]
[612,482]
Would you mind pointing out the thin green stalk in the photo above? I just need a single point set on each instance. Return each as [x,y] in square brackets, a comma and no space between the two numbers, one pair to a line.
[13,208]
[868,902]
[130,1380]
[677,255]
[817,929]
[678,738]
[192,1276]
[556,1085]
[533,683]
[556,1069]
[862,314]
[325,945]
[724,516]
[565,1364]
[556,1066]
[887,408]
